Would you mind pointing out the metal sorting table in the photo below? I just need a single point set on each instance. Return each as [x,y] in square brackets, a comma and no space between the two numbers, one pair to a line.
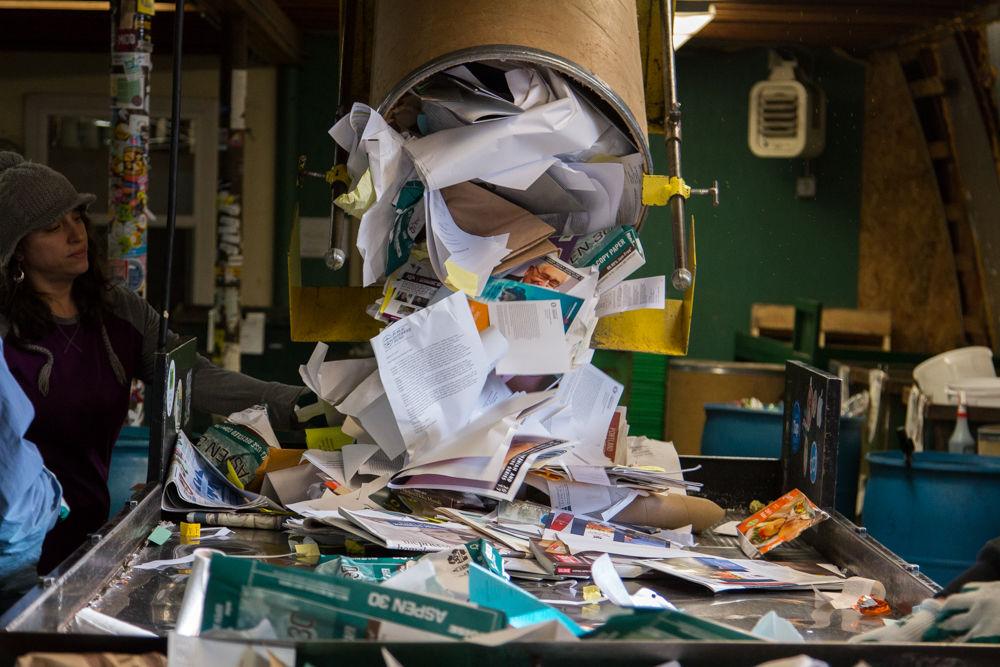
[103,576]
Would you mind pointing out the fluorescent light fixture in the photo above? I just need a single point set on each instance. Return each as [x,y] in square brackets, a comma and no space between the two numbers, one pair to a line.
[689,18]
[78,5]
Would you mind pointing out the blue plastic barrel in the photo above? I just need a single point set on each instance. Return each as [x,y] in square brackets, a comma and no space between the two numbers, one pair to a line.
[938,513]
[734,431]
[128,465]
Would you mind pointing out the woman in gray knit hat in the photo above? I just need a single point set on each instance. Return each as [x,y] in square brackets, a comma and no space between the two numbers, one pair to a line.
[74,342]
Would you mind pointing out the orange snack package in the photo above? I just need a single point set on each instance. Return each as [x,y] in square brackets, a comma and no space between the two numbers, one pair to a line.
[781,521]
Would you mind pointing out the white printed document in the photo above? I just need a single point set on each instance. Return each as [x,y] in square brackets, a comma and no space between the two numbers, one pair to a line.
[433,366]
[633,295]
[534,330]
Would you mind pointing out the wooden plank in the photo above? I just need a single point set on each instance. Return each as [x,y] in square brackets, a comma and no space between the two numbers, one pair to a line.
[939,150]
[905,262]
[930,87]
[273,36]
[976,166]
[861,322]
[772,316]
[954,212]
[839,326]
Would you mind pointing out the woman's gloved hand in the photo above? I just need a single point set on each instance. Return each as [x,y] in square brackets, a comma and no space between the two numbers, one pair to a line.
[909,629]
[971,615]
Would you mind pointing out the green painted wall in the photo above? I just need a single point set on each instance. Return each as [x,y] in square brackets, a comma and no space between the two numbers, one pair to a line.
[762,244]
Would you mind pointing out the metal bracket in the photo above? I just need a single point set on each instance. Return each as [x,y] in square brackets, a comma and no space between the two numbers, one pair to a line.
[336,173]
[658,190]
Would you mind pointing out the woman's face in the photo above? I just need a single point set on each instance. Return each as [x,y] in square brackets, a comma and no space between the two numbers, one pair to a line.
[57,252]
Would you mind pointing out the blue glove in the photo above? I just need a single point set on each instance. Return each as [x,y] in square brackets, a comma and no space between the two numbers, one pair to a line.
[971,615]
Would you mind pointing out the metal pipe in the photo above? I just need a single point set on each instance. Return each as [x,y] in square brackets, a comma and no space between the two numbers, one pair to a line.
[175,133]
[681,277]
[339,250]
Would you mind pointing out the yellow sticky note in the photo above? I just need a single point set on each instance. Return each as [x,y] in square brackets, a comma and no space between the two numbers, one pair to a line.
[360,198]
[232,476]
[329,438]
[591,593]
[389,291]
[462,279]
[307,550]
[147,7]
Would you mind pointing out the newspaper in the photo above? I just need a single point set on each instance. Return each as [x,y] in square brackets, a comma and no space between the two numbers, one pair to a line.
[193,483]
[721,575]
[408,533]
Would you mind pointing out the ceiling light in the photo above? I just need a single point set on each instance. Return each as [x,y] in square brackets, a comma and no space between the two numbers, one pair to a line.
[689,18]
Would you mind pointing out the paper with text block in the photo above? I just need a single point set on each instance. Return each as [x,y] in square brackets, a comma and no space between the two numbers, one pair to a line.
[633,295]
[433,366]
[534,330]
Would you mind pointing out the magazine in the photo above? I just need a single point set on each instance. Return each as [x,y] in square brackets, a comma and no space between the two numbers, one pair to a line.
[193,483]
[548,272]
[501,289]
[555,557]
[721,575]
[521,454]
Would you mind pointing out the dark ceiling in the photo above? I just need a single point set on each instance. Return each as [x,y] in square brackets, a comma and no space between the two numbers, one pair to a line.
[855,25]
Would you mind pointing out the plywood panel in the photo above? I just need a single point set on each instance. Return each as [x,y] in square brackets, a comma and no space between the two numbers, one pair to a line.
[905,263]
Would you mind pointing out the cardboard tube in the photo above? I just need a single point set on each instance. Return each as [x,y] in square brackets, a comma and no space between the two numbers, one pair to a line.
[670,511]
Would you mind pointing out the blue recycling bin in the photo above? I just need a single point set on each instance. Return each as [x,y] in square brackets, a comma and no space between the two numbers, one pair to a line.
[128,465]
[756,432]
[936,513]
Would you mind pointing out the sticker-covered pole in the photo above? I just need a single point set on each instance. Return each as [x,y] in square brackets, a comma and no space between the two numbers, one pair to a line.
[131,63]
[225,316]
[128,152]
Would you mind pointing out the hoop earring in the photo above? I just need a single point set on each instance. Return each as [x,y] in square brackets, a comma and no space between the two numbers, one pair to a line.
[19,275]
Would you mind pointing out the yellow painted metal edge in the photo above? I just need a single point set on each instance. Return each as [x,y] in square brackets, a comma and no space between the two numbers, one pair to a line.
[664,331]
[337,314]
[327,314]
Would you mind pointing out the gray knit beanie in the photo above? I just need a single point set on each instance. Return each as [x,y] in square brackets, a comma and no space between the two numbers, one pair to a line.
[32,197]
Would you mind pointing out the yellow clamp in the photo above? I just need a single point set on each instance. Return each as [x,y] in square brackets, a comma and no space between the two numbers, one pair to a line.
[338,173]
[657,190]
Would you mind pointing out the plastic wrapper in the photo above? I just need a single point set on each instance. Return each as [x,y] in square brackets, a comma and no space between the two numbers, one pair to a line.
[780,522]
[373,570]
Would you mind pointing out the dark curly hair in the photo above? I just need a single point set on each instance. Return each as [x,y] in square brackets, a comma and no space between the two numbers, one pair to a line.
[29,316]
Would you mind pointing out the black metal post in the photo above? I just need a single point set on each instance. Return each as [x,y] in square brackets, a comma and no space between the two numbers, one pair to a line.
[681,277]
[175,132]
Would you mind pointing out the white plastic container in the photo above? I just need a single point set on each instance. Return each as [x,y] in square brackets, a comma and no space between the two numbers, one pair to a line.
[979,392]
[951,367]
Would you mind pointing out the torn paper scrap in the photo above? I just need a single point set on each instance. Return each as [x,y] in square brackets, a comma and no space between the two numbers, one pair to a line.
[534,330]
[633,295]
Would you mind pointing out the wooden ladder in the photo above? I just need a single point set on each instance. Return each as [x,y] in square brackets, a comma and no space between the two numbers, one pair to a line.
[931,96]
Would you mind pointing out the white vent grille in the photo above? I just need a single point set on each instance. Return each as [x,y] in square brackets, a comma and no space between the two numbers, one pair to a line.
[778,112]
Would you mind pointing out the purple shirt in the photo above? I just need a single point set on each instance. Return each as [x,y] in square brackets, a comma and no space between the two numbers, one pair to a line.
[77,423]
